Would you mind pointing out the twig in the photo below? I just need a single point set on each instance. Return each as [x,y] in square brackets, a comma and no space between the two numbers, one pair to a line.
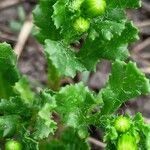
[147,120]
[138,58]
[23,36]
[146,6]
[96,142]
[9,3]
[146,70]
[141,45]
[143,24]
[145,55]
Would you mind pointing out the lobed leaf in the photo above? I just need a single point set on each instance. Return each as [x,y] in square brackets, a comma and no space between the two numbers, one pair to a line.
[69,140]
[8,125]
[8,72]
[107,38]
[115,48]
[75,104]
[42,18]
[124,3]
[125,82]
[16,106]
[44,120]
[23,88]
[63,19]
[62,58]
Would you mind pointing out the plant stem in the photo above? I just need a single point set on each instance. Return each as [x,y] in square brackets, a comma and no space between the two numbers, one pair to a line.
[53,78]
[2,90]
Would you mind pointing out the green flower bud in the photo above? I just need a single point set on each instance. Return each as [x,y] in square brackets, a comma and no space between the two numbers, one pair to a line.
[94,8]
[122,124]
[127,142]
[13,145]
[81,25]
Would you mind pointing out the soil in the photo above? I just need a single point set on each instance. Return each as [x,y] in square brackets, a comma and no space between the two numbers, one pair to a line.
[32,62]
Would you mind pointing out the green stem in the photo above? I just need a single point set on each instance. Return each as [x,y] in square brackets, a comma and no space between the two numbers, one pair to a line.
[2,90]
[54,78]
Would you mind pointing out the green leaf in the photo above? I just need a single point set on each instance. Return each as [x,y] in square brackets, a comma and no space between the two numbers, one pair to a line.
[116,15]
[102,48]
[72,141]
[14,106]
[44,122]
[62,58]
[69,140]
[54,78]
[144,131]
[24,90]
[54,144]
[49,21]
[125,82]
[108,37]
[124,3]
[8,71]
[111,134]
[59,15]
[26,140]
[117,47]
[147,143]
[42,19]
[75,104]
[8,125]
[138,133]
[64,19]
[109,29]
[139,120]
[75,5]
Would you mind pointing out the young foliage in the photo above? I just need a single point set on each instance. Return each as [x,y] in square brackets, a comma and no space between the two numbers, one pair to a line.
[42,18]
[62,57]
[8,125]
[44,123]
[23,88]
[124,3]
[75,104]
[136,137]
[108,35]
[8,63]
[76,34]
[14,105]
[125,82]
[69,140]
